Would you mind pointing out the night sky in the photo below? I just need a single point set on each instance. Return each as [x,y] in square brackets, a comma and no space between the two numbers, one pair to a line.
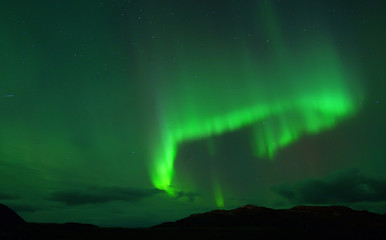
[132,113]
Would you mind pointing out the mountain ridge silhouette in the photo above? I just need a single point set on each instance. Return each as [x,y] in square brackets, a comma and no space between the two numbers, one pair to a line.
[247,222]
[9,217]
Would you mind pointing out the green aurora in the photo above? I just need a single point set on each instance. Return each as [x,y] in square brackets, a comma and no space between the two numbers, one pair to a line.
[313,94]
[131,113]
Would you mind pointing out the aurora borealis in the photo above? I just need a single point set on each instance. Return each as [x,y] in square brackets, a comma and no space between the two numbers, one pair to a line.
[129,113]
[226,97]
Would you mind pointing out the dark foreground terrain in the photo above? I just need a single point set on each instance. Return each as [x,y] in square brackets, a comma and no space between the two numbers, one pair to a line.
[248,222]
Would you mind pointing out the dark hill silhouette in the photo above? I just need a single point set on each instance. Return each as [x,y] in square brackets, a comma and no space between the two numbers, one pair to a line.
[248,222]
[250,215]
[316,222]
[9,217]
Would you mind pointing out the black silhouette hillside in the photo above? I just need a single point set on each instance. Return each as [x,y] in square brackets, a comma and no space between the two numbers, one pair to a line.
[297,217]
[9,217]
[248,222]
[316,222]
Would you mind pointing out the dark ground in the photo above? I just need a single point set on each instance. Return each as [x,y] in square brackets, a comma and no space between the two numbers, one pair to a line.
[248,222]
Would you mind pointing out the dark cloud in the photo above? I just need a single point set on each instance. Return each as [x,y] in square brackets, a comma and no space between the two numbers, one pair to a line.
[190,195]
[102,195]
[6,196]
[347,187]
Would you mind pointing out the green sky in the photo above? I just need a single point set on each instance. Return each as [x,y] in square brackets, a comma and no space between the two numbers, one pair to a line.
[131,113]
